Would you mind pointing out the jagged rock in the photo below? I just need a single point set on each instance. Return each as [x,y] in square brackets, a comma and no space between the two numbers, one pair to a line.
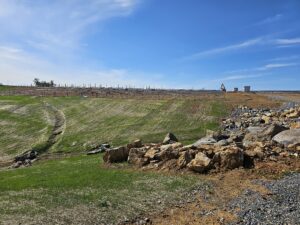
[171,146]
[231,158]
[97,151]
[222,143]
[102,148]
[26,155]
[288,137]
[200,164]
[151,153]
[119,154]
[205,141]
[16,165]
[293,115]
[271,131]
[136,157]
[185,158]
[167,154]
[169,139]
[135,144]
[266,119]
[255,130]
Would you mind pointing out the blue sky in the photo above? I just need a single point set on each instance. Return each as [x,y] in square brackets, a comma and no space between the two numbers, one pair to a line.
[158,43]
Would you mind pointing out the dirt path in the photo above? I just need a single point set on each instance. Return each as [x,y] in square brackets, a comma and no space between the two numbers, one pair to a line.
[58,128]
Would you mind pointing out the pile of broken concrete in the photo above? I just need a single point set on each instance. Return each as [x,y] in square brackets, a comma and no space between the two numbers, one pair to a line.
[249,135]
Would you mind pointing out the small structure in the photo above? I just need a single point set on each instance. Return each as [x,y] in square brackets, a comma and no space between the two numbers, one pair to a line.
[223,88]
[247,89]
[235,90]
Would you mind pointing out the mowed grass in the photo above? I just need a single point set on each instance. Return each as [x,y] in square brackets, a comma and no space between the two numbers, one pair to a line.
[78,190]
[119,121]
[26,123]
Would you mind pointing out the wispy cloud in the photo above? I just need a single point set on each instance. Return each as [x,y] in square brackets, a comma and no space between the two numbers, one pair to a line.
[270,19]
[47,25]
[267,67]
[241,77]
[277,65]
[284,58]
[291,41]
[44,39]
[256,42]
[229,48]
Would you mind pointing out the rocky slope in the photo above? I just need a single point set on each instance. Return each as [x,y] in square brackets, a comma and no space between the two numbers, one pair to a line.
[248,136]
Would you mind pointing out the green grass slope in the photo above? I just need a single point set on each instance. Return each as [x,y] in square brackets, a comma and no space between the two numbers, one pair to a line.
[78,190]
[26,123]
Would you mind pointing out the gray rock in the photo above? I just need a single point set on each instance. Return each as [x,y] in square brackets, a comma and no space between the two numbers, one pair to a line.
[255,130]
[26,155]
[272,130]
[288,137]
[205,141]
[170,139]
[222,143]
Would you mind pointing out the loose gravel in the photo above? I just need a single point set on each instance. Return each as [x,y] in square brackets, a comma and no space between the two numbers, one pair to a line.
[282,206]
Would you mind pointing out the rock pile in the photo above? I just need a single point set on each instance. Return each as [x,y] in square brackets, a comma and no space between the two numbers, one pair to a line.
[25,159]
[247,136]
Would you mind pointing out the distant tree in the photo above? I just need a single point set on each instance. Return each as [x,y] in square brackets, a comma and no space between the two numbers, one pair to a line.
[39,83]
[36,82]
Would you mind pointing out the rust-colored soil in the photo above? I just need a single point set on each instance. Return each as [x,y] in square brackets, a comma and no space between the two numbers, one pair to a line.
[210,208]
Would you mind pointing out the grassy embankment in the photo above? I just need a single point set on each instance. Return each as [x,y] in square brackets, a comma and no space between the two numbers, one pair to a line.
[27,123]
[79,190]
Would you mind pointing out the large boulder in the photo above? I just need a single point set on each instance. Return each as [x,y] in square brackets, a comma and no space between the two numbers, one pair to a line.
[288,137]
[170,139]
[200,164]
[230,158]
[119,154]
[136,157]
[269,132]
[261,134]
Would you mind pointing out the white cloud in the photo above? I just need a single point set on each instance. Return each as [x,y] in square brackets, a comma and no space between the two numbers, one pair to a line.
[256,42]
[229,48]
[20,67]
[240,77]
[270,19]
[291,41]
[57,24]
[285,58]
[266,67]
[278,65]
[43,38]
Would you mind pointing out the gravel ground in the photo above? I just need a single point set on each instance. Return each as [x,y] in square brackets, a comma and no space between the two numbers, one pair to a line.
[282,206]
